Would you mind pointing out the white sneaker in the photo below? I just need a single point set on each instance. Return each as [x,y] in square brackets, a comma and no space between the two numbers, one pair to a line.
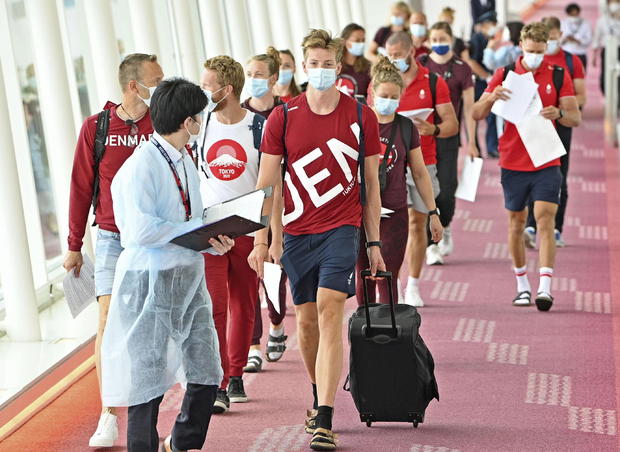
[412,296]
[529,237]
[433,256]
[107,431]
[446,246]
[559,243]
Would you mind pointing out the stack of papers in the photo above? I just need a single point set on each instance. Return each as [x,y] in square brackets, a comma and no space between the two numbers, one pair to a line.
[80,290]
[538,134]
[420,113]
[468,183]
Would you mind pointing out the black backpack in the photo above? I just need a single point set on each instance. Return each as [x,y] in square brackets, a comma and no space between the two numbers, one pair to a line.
[406,127]
[361,152]
[558,76]
[101,133]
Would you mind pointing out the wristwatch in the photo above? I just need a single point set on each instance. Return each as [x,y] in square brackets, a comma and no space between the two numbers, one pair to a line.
[435,211]
[376,243]
[561,113]
[437,130]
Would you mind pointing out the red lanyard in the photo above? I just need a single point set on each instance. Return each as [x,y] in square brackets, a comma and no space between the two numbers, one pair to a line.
[184,197]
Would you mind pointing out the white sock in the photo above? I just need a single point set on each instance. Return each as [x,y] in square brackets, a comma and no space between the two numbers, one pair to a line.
[255,352]
[523,284]
[276,333]
[412,282]
[546,273]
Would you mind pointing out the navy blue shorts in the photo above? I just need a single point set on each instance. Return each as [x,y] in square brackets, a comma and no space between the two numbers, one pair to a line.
[321,260]
[523,186]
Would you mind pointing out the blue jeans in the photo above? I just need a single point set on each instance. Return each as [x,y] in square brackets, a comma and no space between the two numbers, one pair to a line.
[107,251]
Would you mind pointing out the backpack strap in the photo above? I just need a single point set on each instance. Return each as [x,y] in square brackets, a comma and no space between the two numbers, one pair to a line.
[406,130]
[570,63]
[386,155]
[423,59]
[361,155]
[285,156]
[257,132]
[507,69]
[558,79]
[432,81]
[101,133]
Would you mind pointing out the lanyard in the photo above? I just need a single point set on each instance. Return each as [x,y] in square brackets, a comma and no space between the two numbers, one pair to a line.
[184,197]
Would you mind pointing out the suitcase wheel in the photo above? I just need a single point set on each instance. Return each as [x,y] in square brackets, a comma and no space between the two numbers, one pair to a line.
[368,423]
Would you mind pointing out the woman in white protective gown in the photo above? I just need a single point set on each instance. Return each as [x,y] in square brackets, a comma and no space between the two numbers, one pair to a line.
[160,327]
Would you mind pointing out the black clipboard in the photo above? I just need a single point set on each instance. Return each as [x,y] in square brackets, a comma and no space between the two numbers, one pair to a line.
[233,227]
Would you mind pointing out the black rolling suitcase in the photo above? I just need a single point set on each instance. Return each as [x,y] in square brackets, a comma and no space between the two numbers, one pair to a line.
[391,371]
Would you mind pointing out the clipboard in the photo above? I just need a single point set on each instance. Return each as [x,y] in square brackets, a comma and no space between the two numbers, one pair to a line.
[233,227]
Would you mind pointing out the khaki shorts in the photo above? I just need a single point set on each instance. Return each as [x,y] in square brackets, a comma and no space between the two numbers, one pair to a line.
[414,200]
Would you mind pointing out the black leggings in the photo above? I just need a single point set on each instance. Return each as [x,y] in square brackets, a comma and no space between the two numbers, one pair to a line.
[447,169]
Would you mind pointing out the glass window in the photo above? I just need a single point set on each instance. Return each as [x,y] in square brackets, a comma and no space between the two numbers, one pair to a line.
[78,44]
[24,59]
[122,26]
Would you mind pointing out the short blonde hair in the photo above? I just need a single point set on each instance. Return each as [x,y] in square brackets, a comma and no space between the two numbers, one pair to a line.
[383,71]
[322,39]
[131,68]
[229,72]
[536,31]
[404,8]
[271,57]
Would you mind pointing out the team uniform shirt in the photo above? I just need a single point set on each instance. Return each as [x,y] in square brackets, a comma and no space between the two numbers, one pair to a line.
[456,74]
[322,188]
[120,144]
[382,35]
[422,50]
[265,114]
[228,159]
[559,59]
[394,195]
[512,153]
[285,99]
[418,95]
[353,83]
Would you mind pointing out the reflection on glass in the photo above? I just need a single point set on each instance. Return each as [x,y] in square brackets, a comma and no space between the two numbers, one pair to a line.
[76,33]
[24,59]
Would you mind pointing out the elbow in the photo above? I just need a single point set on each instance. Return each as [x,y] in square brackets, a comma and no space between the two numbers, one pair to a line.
[476,113]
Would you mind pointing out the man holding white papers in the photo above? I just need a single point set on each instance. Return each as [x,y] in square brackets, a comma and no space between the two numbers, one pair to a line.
[521,179]
[423,89]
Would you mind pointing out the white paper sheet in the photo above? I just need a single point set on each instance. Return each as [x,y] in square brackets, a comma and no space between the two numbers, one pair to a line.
[468,182]
[249,206]
[541,140]
[271,279]
[420,113]
[523,91]
[80,291]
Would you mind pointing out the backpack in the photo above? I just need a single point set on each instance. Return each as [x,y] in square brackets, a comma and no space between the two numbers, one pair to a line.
[257,134]
[101,133]
[406,127]
[432,81]
[570,63]
[360,156]
[558,76]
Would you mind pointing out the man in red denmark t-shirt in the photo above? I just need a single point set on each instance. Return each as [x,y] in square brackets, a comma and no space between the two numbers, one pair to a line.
[417,94]
[322,213]
[129,126]
[521,180]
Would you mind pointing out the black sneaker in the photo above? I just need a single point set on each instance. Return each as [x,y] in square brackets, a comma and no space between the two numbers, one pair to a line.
[544,301]
[222,402]
[236,393]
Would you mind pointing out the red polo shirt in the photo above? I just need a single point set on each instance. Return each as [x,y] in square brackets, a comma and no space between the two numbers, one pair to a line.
[512,152]
[559,59]
[418,95]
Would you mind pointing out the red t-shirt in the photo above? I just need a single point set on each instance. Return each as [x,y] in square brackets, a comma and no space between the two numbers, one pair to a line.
[394,194]
[418,95]
[285,99]
[120,144]
[322,190]
[421,51]
[559,59]
[512,152]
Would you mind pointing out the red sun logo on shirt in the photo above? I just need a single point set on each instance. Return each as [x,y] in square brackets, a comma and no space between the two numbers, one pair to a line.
[226,160]
[347,84]
[391,156]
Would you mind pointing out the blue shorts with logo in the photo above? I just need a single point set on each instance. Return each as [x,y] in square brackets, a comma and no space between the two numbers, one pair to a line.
[107,251]
[321,260]
[520,187]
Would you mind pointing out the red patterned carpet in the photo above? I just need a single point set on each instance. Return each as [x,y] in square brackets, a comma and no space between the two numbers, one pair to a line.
[510,379]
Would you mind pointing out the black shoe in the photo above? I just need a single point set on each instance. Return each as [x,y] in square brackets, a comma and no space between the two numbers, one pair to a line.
[544,301]
[222,403]
[236,393]
[323,439]
[523,299]
[254,365]
[275,351]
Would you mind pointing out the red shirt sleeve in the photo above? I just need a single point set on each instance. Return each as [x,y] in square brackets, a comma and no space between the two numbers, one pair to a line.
[371,132]
[443,92]
[273,142]
[578,71]
[82,179]
[567,86]
[497,79]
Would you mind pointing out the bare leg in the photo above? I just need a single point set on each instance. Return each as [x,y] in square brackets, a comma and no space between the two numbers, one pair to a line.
[417,242]
[516,246]
[544,212]
[308,336]
[104,307]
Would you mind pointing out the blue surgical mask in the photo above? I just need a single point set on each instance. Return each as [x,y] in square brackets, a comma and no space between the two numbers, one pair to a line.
[357,48]
[401,64]
[385,106]
[397,20]
[441,49]
[418,30]
[285,77]
[258,86]
[211,106]
[533,60]
[321,78]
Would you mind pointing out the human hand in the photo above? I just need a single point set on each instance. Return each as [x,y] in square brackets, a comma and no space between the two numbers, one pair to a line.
[550,112]
[436,228]
[257,258]
[223,244]
[376,260]
[424,127]
[275,251]
[74,259]
[500,93]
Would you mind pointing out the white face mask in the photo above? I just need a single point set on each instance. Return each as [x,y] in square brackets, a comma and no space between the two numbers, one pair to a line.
[492,31]
[552,47]
[614,8]
[533,60]
[151,89]
[193,137]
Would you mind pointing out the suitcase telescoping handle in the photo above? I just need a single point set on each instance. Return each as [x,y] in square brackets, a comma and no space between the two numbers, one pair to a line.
[388,276]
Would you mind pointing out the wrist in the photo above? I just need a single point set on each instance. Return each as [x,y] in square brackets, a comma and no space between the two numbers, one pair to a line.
[436,131]
[560,113]
[373,244]
[257,244]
